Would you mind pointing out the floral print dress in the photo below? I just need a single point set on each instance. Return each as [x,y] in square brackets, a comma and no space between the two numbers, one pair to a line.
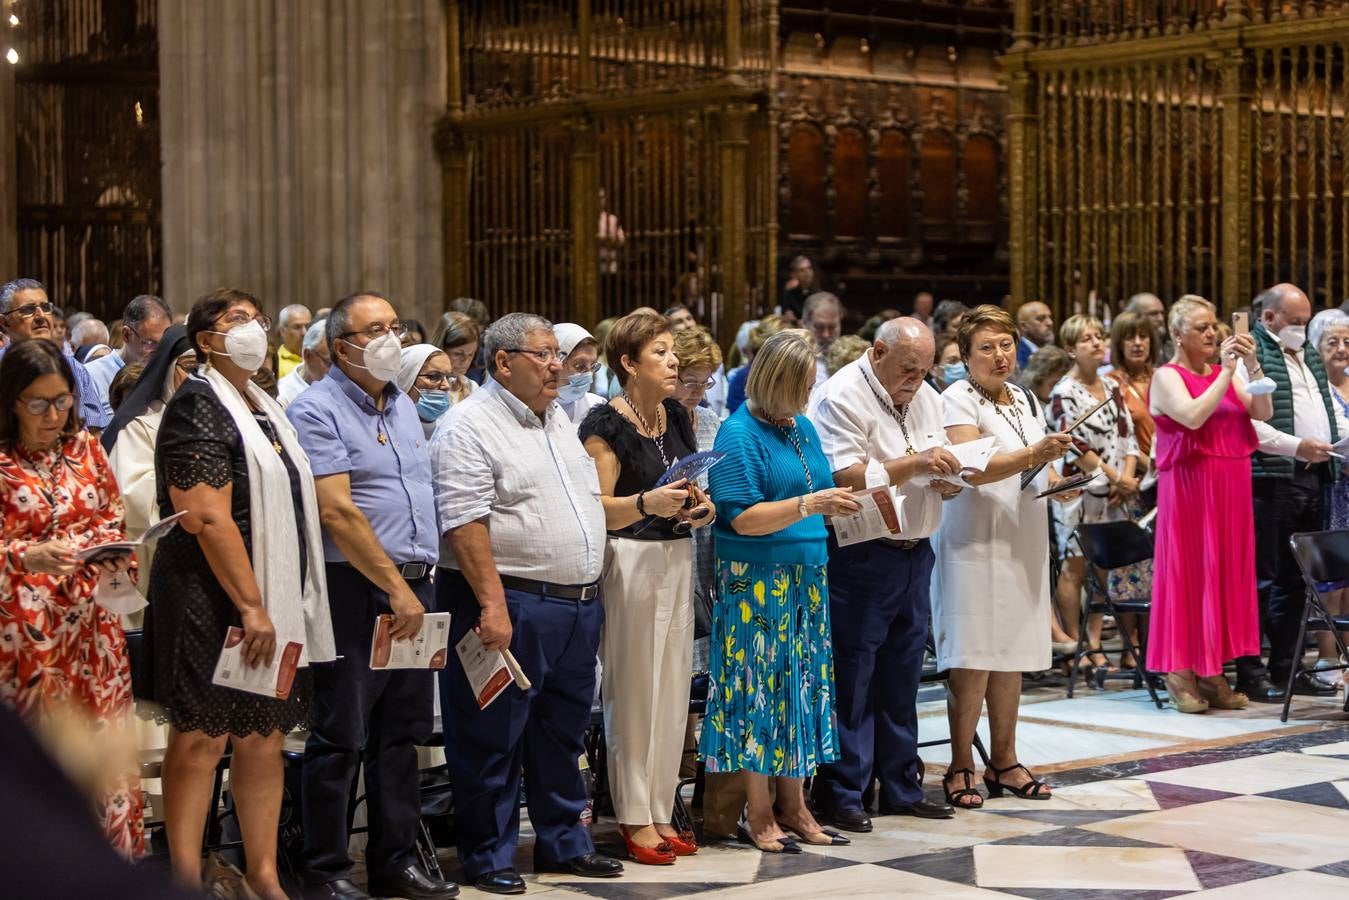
[57,647]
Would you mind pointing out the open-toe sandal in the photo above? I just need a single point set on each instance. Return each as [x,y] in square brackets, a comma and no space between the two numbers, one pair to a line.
[969,792]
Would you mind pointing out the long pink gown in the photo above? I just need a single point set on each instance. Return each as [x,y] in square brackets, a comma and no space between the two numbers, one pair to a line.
[1204,609]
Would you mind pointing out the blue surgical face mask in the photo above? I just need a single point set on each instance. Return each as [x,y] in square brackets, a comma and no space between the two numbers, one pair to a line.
[574,388]
[431,405]
[953,372]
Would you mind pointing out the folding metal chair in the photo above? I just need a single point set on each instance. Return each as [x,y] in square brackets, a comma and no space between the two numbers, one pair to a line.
[1323,557]
[1107,546]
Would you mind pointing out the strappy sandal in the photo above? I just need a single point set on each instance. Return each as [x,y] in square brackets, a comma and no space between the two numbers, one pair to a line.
[1031,790]
[968,792]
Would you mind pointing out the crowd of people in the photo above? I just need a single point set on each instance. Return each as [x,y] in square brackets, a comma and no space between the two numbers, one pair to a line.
[339,466]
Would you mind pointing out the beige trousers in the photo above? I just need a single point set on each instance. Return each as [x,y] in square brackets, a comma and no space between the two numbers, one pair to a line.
[647,652]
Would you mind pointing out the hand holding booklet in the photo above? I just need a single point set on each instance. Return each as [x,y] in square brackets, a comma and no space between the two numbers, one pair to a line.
[275,680]
[426,649]
[973,455]
[489,672]
[117,548]
[878,517]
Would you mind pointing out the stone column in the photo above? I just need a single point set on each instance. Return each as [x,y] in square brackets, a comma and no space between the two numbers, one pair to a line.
[298,150]
[9,174]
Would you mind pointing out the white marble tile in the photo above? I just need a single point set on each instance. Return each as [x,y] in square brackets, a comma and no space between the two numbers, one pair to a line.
[1299,885]
[1277,832]
[1339,748]
[1099,709]
[1123,794]
[1084,868]
[1039,745]
[714,863]
[1343,788]
[895,837]
[856,883]
[1258,774]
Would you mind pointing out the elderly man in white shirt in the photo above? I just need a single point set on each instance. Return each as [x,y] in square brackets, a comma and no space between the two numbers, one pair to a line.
[1290,473]
[314,364]
[518,500]
[881,424]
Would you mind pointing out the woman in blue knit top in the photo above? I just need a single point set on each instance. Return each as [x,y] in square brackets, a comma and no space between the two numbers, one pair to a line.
[770,707]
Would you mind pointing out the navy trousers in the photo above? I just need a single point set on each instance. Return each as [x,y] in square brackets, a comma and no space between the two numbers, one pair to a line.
[364,716]
[878,611]
[541,732]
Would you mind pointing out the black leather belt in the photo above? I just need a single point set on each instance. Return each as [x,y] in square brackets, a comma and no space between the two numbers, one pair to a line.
[901,545]
[414,571]
[580,592]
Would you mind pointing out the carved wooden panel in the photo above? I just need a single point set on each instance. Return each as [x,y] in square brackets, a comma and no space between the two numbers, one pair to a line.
[894,171]
[850,183]
[805,166]
[937,178]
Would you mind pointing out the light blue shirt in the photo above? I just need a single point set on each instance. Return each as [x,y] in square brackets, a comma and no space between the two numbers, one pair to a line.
[102,371]
[340,429]
[91,410]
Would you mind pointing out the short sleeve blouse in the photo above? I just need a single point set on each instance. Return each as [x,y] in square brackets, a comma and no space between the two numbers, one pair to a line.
[639,459]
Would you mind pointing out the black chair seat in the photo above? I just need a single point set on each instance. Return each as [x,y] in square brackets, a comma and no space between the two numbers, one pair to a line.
[1114,545]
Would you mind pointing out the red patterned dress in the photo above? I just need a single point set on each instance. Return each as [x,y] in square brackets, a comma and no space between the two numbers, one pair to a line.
[57,647]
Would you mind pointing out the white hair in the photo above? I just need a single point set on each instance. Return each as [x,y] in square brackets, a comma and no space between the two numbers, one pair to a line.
[315,335]
[284,317]
[1322,322]
[89,331]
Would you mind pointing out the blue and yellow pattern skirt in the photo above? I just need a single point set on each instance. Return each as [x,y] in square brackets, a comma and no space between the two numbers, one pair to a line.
[770,706]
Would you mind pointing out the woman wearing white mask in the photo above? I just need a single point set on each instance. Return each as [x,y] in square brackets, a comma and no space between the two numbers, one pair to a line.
[580,361]
[425,376]
[249,555]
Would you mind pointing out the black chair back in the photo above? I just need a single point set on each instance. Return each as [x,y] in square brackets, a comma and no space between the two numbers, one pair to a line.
[1323,557]
[1113,545]
[140,666]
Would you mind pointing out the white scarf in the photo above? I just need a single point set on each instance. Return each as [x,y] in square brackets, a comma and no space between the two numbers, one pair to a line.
[275,564]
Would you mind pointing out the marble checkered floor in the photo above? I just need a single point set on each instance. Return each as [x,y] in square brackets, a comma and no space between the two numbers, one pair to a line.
[1149,804]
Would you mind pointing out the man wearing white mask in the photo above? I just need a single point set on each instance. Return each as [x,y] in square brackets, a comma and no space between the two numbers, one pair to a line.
[372,474]
[580,358]
[1291,470]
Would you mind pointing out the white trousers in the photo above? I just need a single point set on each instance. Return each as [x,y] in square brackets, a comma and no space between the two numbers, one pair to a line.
[646,650]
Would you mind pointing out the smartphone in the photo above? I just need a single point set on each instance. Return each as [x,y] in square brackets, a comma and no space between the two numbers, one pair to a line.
[1241,323]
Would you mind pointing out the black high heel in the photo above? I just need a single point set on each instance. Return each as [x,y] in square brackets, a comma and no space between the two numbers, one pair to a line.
[969,791]
[1031,790]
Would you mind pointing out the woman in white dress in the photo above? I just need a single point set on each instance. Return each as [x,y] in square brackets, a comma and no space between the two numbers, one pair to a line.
[990,586]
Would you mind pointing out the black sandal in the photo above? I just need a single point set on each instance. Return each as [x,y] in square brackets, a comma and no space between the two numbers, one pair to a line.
[1031,790]
[968,792]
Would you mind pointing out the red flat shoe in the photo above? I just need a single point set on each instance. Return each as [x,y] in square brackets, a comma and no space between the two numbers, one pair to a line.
[662,854]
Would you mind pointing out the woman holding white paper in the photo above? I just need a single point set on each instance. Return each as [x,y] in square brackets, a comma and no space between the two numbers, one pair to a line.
[990,586]
[248,555]
[646,648]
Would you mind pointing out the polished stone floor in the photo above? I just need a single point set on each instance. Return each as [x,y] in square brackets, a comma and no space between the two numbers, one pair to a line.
[1149,803]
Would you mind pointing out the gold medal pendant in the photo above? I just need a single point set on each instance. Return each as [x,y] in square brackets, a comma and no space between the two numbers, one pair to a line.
[383,438]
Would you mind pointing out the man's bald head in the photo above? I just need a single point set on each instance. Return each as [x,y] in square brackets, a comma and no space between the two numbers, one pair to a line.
[1036,323]
[902,357]
[1282,305]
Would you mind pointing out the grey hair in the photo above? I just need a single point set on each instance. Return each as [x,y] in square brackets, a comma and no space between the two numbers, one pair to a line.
[339,318]
[10,288]
[89,328]
[315,335]
[1136,301]
[283,317]
[508,332]
[816,300]
[1322,322]
[76,318]
[142,307]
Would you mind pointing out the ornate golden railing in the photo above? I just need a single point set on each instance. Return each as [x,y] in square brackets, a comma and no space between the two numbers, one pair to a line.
[1204,150]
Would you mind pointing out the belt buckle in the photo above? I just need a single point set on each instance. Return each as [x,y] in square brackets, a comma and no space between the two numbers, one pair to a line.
[589,592]
[407,570]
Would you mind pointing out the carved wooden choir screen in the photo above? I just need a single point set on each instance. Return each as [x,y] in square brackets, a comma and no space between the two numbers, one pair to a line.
[1178,147]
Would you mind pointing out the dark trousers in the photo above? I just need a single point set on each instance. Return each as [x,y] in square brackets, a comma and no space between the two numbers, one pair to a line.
[878,611]
[541,733]
[1282,506]
[360,715]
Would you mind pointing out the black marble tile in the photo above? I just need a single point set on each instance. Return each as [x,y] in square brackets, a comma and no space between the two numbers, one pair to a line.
[1067,816]
[947,865]
[1170,796]
[1321,794]
[1072,837]
[784,865]
[617,889]
[1214,871]
[1340,868]
[1081,894]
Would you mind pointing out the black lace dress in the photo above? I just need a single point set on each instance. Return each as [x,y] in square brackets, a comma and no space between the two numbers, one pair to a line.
[189,611]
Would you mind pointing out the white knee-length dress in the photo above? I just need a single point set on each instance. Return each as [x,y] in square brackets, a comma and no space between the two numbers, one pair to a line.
[990,585]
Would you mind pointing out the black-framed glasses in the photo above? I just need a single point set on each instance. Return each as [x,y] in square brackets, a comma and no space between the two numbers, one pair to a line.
[236,319]
[378,330]
[699,385]
[38,406]
[546,356]
[28,310]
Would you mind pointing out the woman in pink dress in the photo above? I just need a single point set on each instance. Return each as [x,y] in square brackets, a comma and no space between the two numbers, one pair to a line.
[1203,601]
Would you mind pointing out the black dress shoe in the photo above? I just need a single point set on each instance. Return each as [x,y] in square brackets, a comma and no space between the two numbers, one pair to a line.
[923,809]
[1307,684]
[854,820]
[413,884]
[1261,690]
[341,888]
[502,881]
[587,865]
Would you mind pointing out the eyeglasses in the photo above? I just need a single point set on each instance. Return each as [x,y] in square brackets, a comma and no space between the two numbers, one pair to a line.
[38,406]
[547,357]
[437,379]
[235,319]
[148,344]
[378,330]
[28,310]
[699,385]
[583,370]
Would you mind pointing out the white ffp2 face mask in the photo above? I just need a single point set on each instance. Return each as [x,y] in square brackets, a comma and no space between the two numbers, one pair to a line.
[1293,336]
[382,356]
[246,346]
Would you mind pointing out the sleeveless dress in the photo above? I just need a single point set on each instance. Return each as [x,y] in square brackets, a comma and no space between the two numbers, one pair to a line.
[1204,608]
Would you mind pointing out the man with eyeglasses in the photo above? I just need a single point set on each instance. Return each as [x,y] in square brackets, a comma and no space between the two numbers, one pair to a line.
[518,503]
[373,479]
[26,313]
[144,322]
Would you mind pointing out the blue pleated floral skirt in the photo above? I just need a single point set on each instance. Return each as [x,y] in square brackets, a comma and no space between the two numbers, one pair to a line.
[770,706]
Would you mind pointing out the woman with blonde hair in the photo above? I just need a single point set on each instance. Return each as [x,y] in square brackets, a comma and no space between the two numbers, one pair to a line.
[738,378]
[457,336]
[770,708]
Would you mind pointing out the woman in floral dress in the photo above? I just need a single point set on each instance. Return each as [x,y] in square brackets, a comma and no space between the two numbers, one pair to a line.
[58,649]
